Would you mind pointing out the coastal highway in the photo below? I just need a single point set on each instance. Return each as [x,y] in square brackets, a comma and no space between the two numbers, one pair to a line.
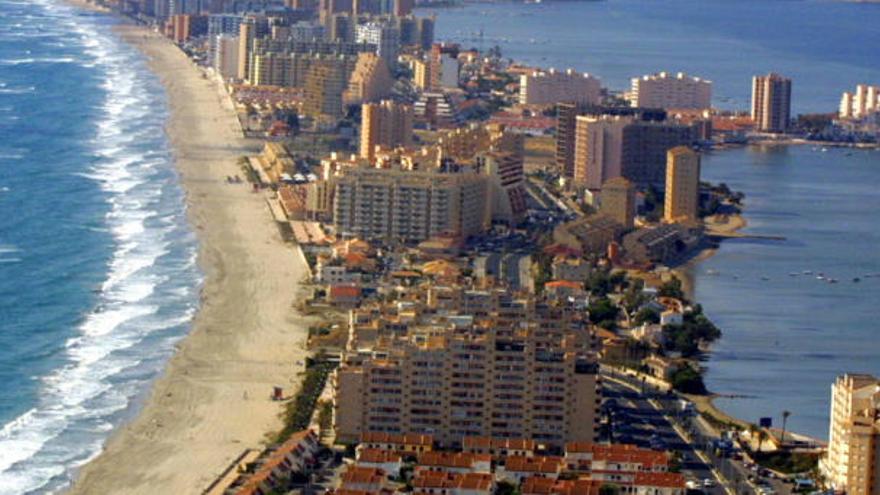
[636,419]
[644,416]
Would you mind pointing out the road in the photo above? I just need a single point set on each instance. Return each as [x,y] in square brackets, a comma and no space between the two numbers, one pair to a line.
[647,411]
[635,420]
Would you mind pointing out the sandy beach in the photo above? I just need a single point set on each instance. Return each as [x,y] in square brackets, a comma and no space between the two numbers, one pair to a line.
[212,400]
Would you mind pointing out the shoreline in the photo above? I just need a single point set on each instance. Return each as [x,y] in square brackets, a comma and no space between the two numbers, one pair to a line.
[212,401]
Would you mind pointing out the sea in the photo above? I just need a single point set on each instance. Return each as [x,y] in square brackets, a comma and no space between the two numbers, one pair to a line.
[98,274]
[787,334]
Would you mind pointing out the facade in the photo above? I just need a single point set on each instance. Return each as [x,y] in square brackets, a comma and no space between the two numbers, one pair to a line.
[566,122]
[598,149]
[552,87]
[394,205]
[589,235]
[771,103]
[864,102]
[665,90]
[224,55]
[324,84]
[852,464]
[682,202]
[370,80]
[387,124]
[385,36]
[506,367]
[224,24]
[506,186]
[618,201]
[645,143]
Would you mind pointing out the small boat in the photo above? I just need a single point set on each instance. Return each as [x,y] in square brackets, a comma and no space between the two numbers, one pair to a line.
[832,280]
[793,274]
[820,277]
[824,150]
[765,278]
[808,272]
[856,280]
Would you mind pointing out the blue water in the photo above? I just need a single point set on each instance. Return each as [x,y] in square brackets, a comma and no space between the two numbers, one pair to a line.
[786,338]
[97,263]
[787,334]
[825,46]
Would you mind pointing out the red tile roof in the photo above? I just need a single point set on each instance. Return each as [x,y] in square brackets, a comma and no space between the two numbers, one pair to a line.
[396,439]
[538,464]
[378,456]
[451,459]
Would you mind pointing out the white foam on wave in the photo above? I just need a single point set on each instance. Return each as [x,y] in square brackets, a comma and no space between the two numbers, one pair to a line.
[142,296]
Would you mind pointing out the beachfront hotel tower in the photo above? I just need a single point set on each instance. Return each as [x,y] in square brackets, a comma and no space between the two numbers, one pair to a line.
[852,464]
[771,103]
[682,200]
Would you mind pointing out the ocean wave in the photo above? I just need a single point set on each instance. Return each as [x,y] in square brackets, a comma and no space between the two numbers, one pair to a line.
[33,61]
[150,290]
[18,91]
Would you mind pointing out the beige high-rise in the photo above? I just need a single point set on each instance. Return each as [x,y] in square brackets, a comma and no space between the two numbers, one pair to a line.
[771,102]
[387,123]
[404,206]
[619,201]
[852,464]
[682,185]
[495,365]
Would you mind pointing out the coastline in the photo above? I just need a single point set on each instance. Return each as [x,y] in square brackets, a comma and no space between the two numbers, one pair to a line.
[213,399]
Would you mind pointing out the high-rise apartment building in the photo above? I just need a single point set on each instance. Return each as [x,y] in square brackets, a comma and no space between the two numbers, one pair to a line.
[422,74]
[495,366]
[864,102]
[664,90]
[388,124]
[404,206]
[609,146]
[506,185]
[598,149]
[645,143]
[385,36]
[224,55]
[370,80]
[251,28]
[552,87]
[682,202]
[224,24]
[618,201]
[566,114]
[324,84]
[426,31]
[566,124]
[852,464]
[771,102]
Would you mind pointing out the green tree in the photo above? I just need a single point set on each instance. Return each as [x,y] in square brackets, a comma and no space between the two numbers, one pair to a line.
[609,489]
[687,380]
[603,312]
[671,288]
[647,315]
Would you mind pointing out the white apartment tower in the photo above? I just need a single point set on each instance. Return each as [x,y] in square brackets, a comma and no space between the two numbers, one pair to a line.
[552,87]
[864,102]
[665,90]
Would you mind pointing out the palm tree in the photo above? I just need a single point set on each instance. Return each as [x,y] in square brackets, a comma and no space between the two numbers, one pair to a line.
[762,435]
[785,415]
[753,431]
